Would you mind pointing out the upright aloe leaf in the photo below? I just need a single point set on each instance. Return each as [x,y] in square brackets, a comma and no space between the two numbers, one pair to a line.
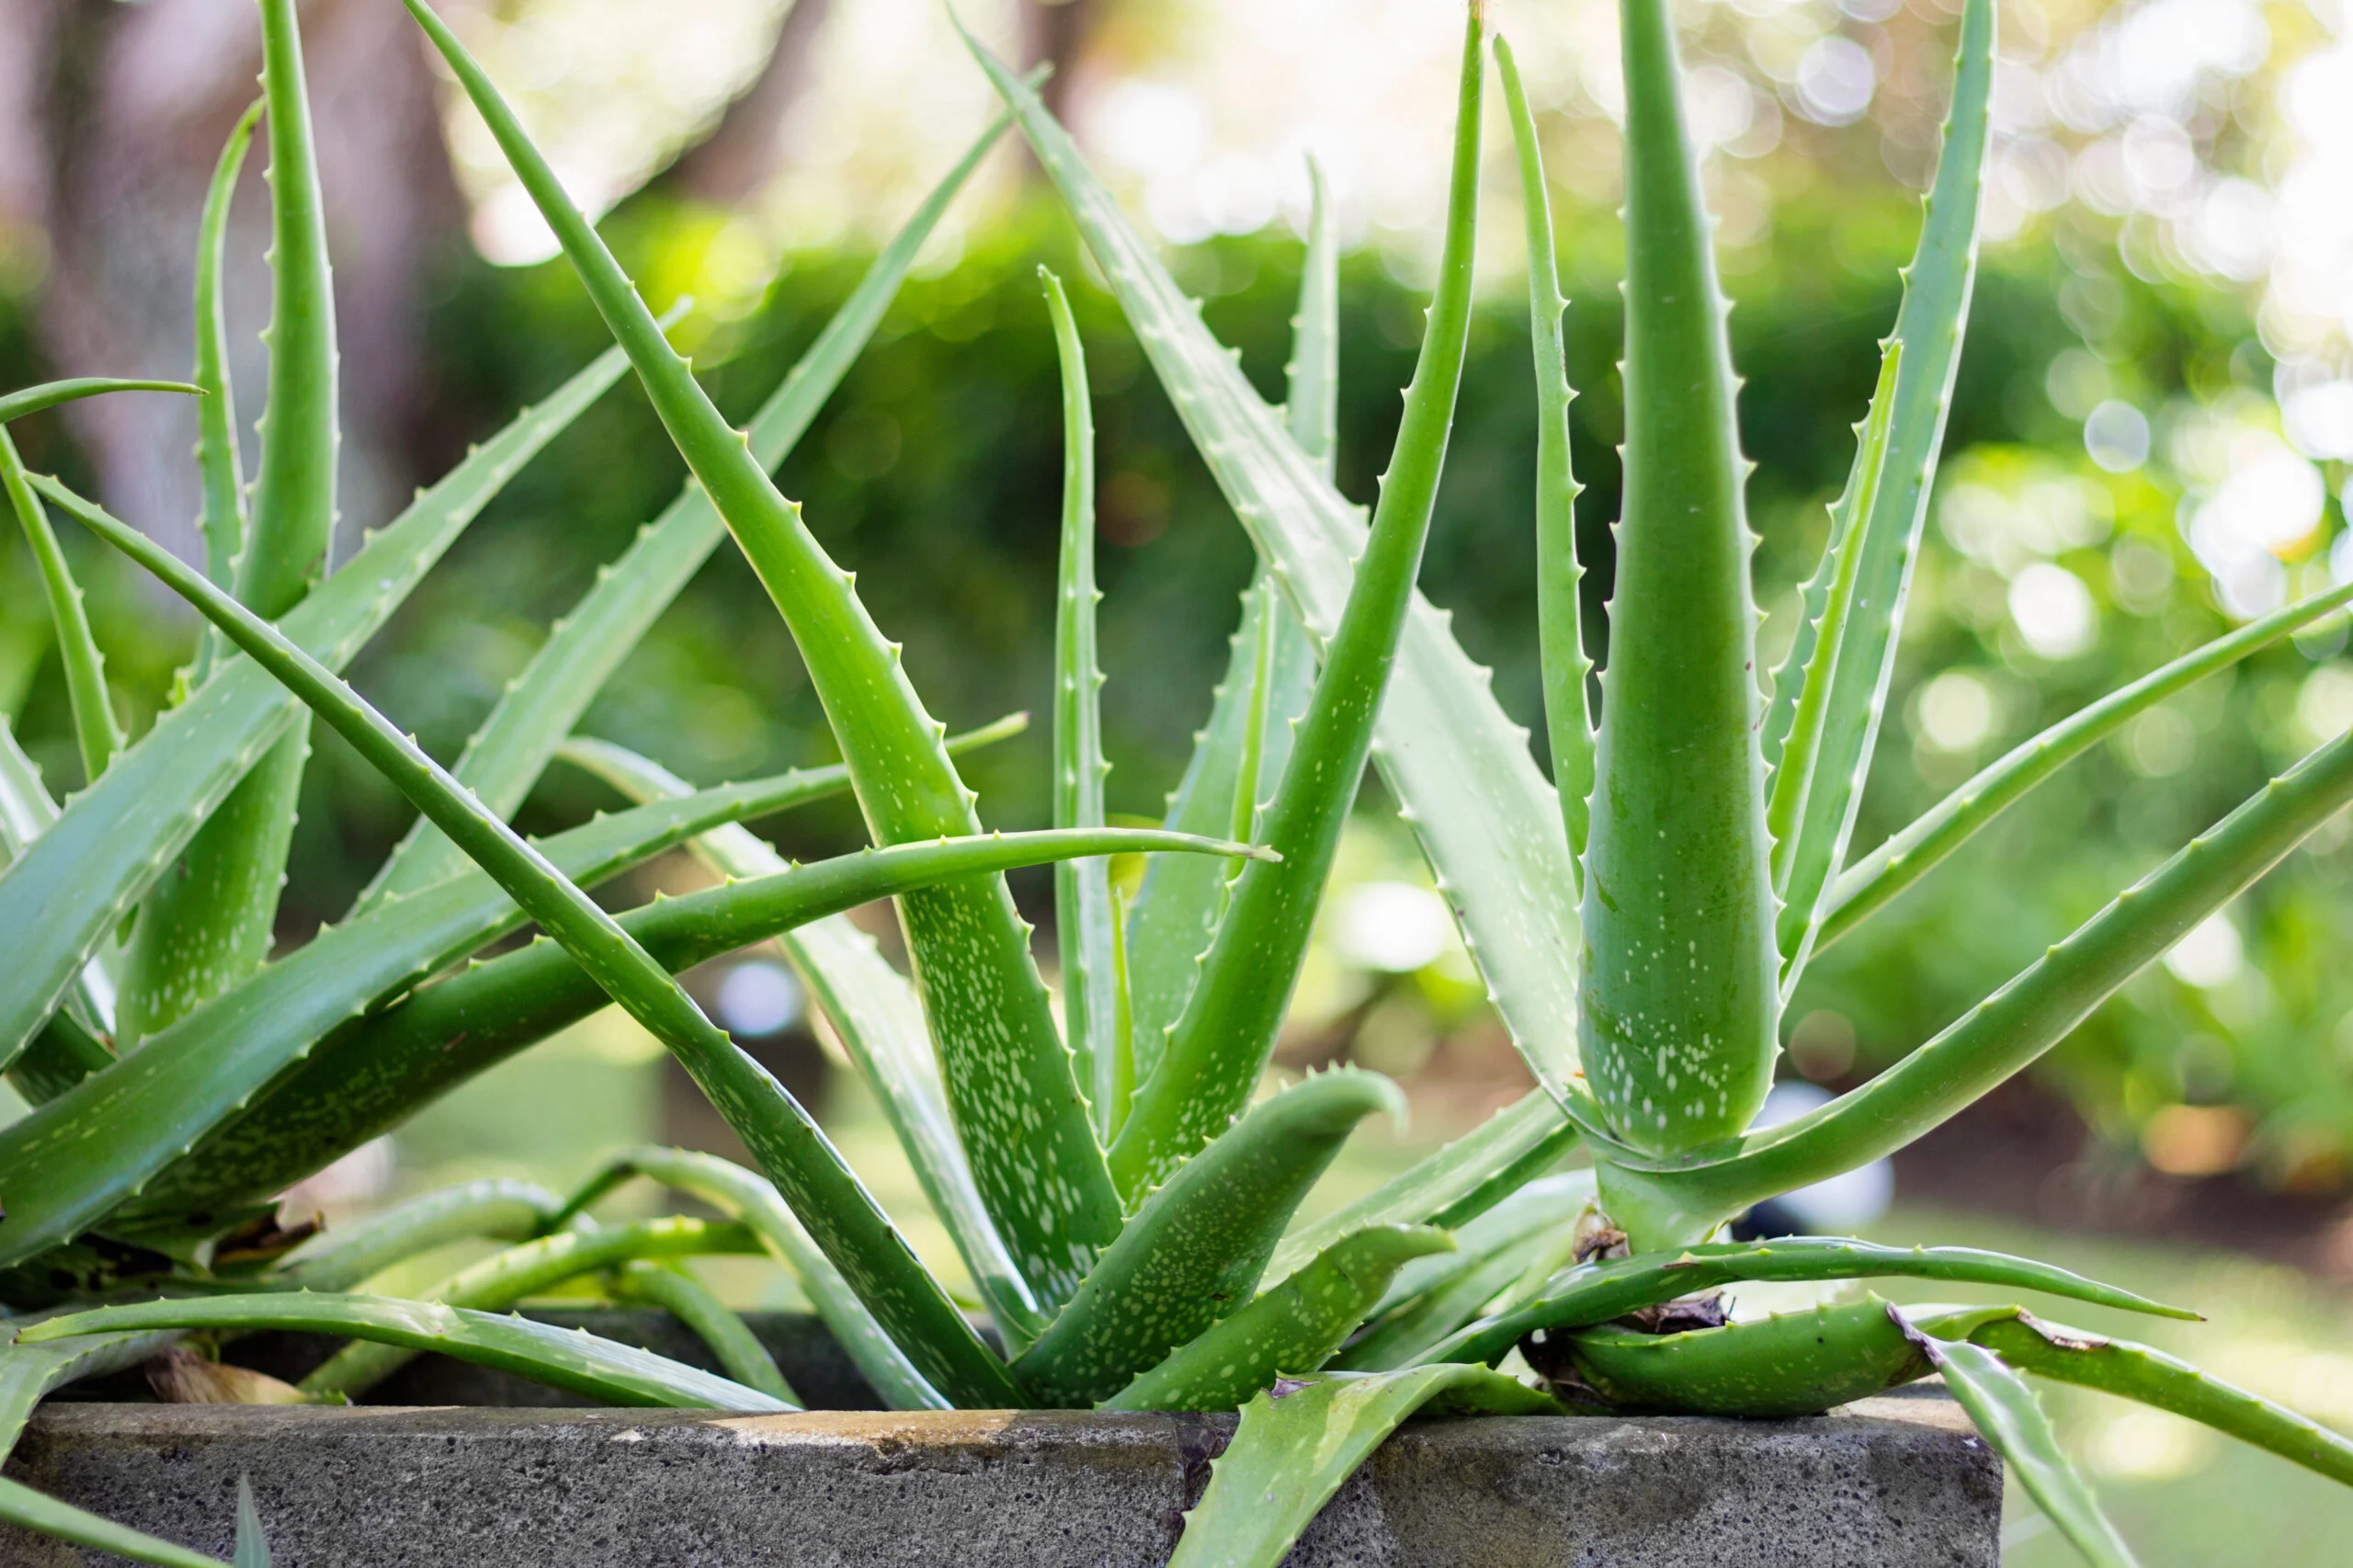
[1568,723]
[1886,536]
[1025,1124]
[1083,888]
[1297,1443]
[218,462]
[505,757]
[26,813]
[209,919]
[877,1018]
[252,1546]
[1223,1039]
[65,896]
[1488,823]
[1311,409]
[1196,1247]
[855,1232]
[1679,984]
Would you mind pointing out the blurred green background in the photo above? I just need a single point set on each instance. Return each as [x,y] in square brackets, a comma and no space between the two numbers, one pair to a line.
[2148,444]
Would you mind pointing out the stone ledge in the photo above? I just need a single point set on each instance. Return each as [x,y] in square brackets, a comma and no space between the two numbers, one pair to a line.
[1891,1483]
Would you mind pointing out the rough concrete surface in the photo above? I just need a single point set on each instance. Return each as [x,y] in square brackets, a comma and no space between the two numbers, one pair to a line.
[1889,1484]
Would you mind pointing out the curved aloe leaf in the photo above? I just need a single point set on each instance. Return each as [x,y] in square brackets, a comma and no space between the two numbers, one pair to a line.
[741,1355]
[1299,1442]
[505,756]
[1452,1186]
[218,462]
[362,1079]
[565,1359]
[48,394]
[1197,1246]
[1083,888]
[44,1515]
[1223,1039]
[1597,1292]
[745,1195]
[518,1273]
[1887,513]
[1678,982]
[1293,1328]
[875,1014]
[2009,1417]
[496,1208]
[1568,722]
[2002,1034]
[1488,823]
[855,1233]
[209,919]
[1025,1123]
[1864,887]
[64,897]
[1799,1363]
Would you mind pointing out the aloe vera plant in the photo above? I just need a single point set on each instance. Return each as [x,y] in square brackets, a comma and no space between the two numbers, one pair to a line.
[1118,1185]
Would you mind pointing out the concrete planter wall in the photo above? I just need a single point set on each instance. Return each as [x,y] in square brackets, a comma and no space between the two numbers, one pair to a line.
[1893,1481]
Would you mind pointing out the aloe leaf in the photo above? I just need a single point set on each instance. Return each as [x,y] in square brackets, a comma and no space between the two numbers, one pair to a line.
[2009,1417]
[1082,888]
[1451,1185]
[65,896]
[209,920]
[1486,820]
[26,813]
[1568,722]
[1889,513]
[363,1078]
[2155,1379]
[1293,1328]
[501,1280]
[344,1258]
[875,1014]
[746,1197]
[506,755]
[1312,408]
[218,459]
[1864,887]
[96,727]
[1799,1363]
[253,1546]
[1025,1123]
[48,394]
[1196,1247]
[1297,1443]
[1222,1041]
[741,1355]
[855,1232]
[1597,1292]
[2001,1035]
[1679,983]
[44,1515]
[565,1359]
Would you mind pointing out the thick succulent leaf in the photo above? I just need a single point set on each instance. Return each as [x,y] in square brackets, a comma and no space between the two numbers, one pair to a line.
[1223,1039]
[1452,1186]
[1889,512]
[1299,1442]
[1679,983]
[1196,1247]
[744,1196]
[853,1229]
[44,1515]
[740,1353]
[1083,888]
[1568,721]
[2002,1034]
[252,1546]
[26,813]
[95,724]
[1293,1328]
[362,1079]
[496,1209]
[1799,1363]
[1025,1123]
[65,896]
[2006,1413]
[1311,403]
[505,756]
[208,921]
[219,463]
[505,1278]
[1485,818]
[1597,1292]
[565,1359]
[875,1014]
[1863,888]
